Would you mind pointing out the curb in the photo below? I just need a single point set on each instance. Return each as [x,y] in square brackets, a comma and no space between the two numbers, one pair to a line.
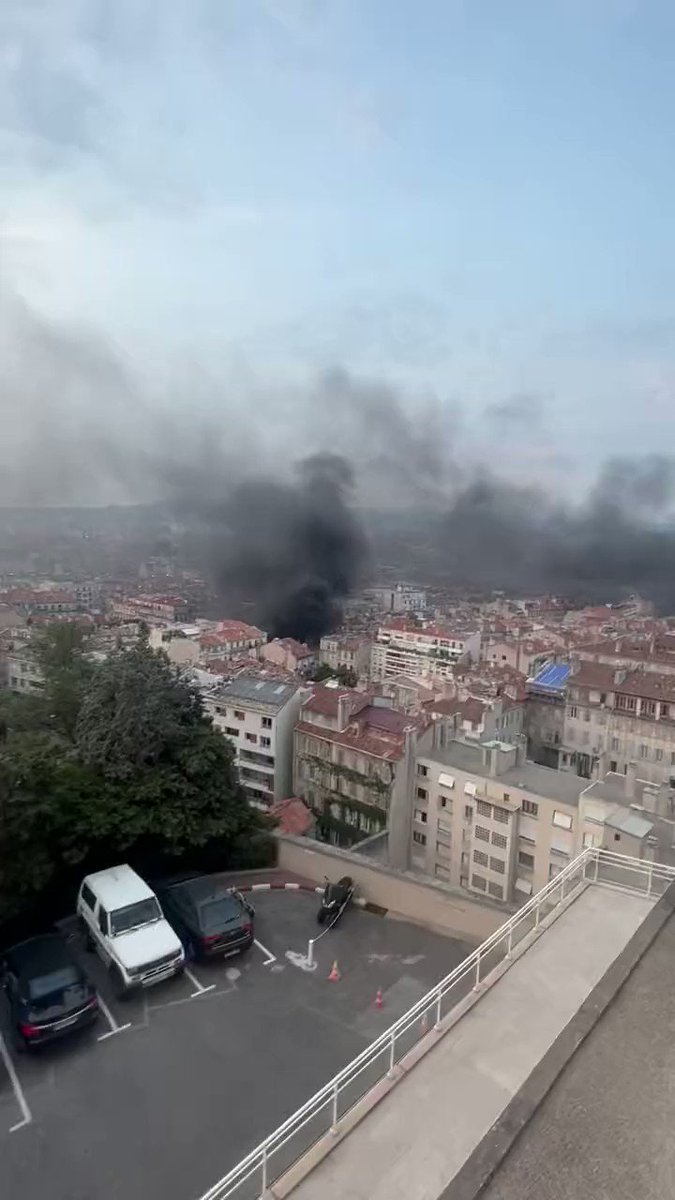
[291,887]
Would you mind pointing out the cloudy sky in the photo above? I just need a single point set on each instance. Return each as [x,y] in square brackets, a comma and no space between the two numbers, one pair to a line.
[468,200]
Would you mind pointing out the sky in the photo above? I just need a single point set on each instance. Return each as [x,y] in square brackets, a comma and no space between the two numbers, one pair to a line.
[468,201]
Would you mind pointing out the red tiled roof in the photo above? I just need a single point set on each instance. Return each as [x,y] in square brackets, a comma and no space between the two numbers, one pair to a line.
[324,700]
[293,816]
[376,743]
[298,649]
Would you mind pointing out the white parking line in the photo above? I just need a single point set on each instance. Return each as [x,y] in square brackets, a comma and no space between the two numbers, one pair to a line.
[271,958]
[114,1027]
[18,1090]
[196,984]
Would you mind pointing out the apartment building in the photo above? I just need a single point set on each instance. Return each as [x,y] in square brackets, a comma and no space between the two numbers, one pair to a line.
[23,675]
[259,716]
[526,655]
[595,719]
[293,656]
[179,642]
[337,651]
[231,639]
[400,598]
[430,652]
[481,719]
[150,607]
[354,765]
[486,819]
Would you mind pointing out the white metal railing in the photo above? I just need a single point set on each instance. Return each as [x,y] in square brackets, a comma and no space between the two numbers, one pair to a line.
[323,1112]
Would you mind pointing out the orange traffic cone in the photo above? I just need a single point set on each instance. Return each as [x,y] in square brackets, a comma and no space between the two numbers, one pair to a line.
[379,1002]
[334,973]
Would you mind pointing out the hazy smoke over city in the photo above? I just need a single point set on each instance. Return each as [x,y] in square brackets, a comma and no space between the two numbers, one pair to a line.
[281,506]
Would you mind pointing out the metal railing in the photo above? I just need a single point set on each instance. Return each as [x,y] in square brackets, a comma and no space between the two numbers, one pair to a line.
[323,1112]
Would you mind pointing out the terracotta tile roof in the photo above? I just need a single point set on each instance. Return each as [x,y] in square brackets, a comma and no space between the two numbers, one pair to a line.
[324,700]
[298,649]
[376,743]
[593,675]
[648,684]
[293,816]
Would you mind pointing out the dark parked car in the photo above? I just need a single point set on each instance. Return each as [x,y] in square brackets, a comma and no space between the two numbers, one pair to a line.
[210,919]
[49,994]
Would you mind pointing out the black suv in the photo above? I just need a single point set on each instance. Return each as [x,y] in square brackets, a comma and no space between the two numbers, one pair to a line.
[210,919]
[49,994]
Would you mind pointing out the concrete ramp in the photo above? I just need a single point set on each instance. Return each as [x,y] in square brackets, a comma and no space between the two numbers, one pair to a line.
[413,1143]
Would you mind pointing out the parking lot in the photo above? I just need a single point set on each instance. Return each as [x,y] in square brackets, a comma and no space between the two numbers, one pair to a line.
[170,1089]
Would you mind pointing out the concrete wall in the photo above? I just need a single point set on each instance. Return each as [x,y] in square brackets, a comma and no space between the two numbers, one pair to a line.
[430,904]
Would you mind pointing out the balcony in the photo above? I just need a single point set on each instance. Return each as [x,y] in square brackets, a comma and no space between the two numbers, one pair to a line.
[380,1127]
[265,761]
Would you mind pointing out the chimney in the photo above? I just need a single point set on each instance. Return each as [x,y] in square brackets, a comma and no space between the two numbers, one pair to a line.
[619,676]
[343,711]
[631,776]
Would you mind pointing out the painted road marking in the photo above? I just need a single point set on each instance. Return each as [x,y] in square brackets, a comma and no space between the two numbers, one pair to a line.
[153,1008]
[27,1116]
[114,1027]
[271,958]
[196,984]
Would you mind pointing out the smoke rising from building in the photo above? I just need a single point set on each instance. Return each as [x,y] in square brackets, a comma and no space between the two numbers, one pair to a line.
[276,508]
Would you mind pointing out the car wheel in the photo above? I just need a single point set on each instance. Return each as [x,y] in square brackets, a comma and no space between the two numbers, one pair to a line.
[190,950]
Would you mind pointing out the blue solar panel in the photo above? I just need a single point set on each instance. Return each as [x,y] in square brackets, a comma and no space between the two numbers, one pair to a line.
[554,675]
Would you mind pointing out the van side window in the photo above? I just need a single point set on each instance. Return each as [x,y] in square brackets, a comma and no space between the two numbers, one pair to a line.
[88,896]
[102,920]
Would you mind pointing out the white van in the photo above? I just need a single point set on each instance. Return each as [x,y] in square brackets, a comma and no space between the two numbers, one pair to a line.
[124,922]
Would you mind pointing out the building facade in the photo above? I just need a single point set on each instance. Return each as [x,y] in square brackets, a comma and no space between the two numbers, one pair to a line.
[354,766]
[400,598]
[352,653]
[259,717]
[430,652]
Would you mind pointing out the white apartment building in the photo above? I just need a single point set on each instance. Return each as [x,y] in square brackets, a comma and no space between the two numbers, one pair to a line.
[338,650]
[259,716]
[23,674]
[486,819]
[430,652]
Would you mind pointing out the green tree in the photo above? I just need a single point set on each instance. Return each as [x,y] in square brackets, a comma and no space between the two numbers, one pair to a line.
[345,675]
[60,652]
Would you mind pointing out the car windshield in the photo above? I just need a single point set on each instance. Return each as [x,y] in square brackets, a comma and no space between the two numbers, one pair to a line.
[216,913]
[55,981]
[141,913]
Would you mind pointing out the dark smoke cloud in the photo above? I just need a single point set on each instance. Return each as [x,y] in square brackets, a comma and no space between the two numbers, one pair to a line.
[276,521]
[291,551]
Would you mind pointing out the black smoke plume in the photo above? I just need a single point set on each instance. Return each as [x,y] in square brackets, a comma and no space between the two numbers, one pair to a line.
[289,553]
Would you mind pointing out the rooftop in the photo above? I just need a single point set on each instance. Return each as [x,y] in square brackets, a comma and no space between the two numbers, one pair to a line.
[262,691]
[542,781]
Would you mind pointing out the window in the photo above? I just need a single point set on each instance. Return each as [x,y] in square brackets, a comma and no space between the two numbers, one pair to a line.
[506,798]
[266,722]
[441,872]
[469,788]
[420,815]
[251,737]
[422,770]
[502,815]
[444,802]
[420,838]
[480,857]
[613,766]
[672,758]
[496,890]
[626,703]
[498,839]
[443,849]
[479,881]
[498,865]
[103,920]
[665,710]
[592,839]
[444,830]
[644,750]
[530,808]
[468,811]
[88,896]
[603,697]
[587,714]
[648,708]
[615,743]
[422,794]
[573,710]
[658,755]
[617,837]
[526,860]
[482,834]
[485,810]
[238,715]
[264,741]
[562,820]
